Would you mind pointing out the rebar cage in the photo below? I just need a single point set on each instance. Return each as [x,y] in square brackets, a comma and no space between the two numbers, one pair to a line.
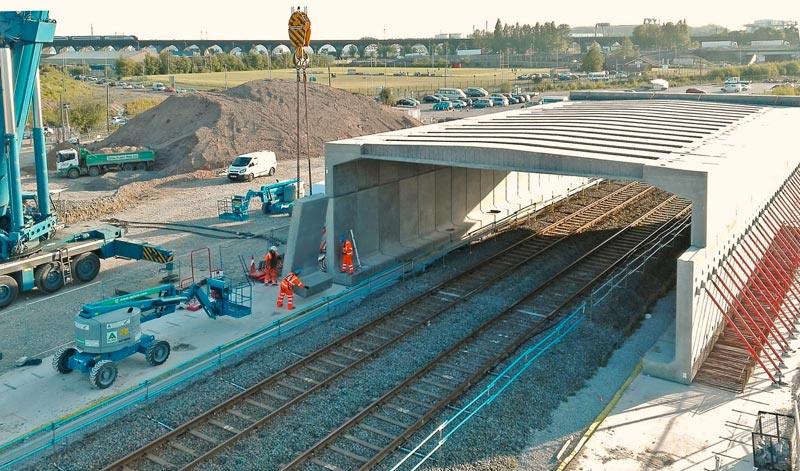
[774,442]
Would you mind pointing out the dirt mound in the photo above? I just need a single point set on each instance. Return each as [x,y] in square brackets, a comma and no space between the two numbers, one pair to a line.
[205,130]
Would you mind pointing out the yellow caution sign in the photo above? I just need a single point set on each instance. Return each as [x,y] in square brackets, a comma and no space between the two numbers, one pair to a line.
[299,29]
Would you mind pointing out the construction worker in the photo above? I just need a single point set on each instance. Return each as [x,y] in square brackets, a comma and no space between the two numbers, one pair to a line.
[287,290]
[271,260]
[347,256]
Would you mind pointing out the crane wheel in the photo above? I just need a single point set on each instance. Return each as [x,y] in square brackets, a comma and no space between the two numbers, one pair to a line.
[86,266]
[9,289]
[48,277]
[103,374]
[157,353]
[61,359]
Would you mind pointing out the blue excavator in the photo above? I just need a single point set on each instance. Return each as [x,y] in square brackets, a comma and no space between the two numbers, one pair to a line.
[33,254]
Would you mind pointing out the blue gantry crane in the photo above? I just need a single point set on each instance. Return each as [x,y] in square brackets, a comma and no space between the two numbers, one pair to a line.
[32,253]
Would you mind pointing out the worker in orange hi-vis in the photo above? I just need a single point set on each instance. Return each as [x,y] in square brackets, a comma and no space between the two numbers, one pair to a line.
[347,256]
[287,290]
[271,266]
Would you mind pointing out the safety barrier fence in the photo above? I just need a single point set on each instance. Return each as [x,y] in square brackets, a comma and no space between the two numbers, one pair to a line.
[750,288]
[60,431]
[428,446]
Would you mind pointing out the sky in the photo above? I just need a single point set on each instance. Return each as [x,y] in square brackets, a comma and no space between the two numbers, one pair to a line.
[353,19]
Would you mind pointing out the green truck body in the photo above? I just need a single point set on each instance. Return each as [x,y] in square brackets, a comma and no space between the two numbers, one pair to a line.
[72,163]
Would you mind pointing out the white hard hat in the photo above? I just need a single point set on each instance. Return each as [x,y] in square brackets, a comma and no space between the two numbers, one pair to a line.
[273,249]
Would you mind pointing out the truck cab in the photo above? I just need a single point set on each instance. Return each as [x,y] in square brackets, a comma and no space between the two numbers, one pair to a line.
[68,163]
[253,165]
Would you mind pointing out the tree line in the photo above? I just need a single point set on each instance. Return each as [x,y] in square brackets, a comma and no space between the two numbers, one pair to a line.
[541,37]
[166,63]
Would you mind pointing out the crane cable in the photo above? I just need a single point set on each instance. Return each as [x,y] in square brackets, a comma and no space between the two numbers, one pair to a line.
[308,140]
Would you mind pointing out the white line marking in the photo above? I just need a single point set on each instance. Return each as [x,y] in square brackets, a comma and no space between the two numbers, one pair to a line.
[531,313]
[61,293]
[446,293]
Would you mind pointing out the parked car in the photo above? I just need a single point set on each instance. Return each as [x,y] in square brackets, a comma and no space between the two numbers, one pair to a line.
[521,97]
[511,99]
[443,106]
[159,87]
[481,103]
[407,103]
[732,88]
[128,86]
[499,100]
[431,99]
[442,97]
[468,101]
[458,104]
[476,92]
[696,90]
[118,120]
[47,130]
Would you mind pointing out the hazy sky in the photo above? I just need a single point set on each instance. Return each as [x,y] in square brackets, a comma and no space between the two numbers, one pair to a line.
[353,19]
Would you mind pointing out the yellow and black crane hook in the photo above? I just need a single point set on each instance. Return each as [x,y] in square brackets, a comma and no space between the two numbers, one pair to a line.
[300,37]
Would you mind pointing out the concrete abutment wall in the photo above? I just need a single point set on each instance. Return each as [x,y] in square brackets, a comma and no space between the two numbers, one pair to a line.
[398,209]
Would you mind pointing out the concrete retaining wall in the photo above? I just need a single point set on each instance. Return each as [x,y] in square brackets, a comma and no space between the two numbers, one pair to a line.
[397,210]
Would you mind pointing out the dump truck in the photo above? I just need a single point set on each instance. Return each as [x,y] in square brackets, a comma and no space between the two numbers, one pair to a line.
[73,163]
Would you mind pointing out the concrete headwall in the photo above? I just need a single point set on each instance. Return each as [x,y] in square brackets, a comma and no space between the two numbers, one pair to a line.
[397,210]
[724,204]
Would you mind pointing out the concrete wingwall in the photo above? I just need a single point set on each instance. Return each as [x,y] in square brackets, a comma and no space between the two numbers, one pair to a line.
[397,210]
[725,202]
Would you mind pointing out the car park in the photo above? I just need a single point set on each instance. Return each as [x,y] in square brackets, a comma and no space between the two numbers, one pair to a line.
[443,106]
[520,97]
[511,99]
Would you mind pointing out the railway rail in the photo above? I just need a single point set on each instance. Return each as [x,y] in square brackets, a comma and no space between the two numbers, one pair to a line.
[216,429]
[378,430]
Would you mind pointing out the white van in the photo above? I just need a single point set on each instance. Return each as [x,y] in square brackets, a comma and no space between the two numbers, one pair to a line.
[253,165]
[452,93]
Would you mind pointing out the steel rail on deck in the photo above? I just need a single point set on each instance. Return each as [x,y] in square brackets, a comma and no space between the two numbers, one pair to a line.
[382,451]
[628,194]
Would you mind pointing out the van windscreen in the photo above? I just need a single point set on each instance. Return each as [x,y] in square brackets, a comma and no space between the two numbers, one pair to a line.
[241,161]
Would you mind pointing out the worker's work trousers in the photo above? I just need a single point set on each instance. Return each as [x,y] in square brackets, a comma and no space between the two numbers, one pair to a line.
[288,293]
[271,276]
[347,263]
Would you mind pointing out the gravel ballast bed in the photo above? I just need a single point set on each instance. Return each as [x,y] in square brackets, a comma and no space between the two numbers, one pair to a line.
[139,425]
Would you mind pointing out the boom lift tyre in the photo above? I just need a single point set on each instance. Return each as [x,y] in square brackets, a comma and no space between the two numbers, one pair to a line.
[103,374]
[86,266]
[61,359]
[9,289]
[157,353]
[48,277]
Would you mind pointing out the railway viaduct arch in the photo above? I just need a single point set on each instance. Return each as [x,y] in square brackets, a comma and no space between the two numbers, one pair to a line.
[403,192]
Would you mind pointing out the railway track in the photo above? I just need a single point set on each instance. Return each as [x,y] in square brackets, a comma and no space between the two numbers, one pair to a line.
[378,430]
[202,437]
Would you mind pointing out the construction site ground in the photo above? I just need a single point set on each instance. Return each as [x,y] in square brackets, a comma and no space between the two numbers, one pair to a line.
[37,325]
[659,424]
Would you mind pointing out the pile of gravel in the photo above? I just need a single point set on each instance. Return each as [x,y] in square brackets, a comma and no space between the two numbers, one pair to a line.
[205,130]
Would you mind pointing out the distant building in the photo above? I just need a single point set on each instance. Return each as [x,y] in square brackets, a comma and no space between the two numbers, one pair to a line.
[614,31]
[448,36]
[770,24]
[93,59]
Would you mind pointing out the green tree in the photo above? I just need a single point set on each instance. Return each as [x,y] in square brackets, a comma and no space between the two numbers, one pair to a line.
[87,115]
[152,65]
[125,67]
[387,96]
[593,60]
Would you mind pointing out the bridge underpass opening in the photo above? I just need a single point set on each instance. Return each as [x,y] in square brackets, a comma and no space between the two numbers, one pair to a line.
[405,192]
